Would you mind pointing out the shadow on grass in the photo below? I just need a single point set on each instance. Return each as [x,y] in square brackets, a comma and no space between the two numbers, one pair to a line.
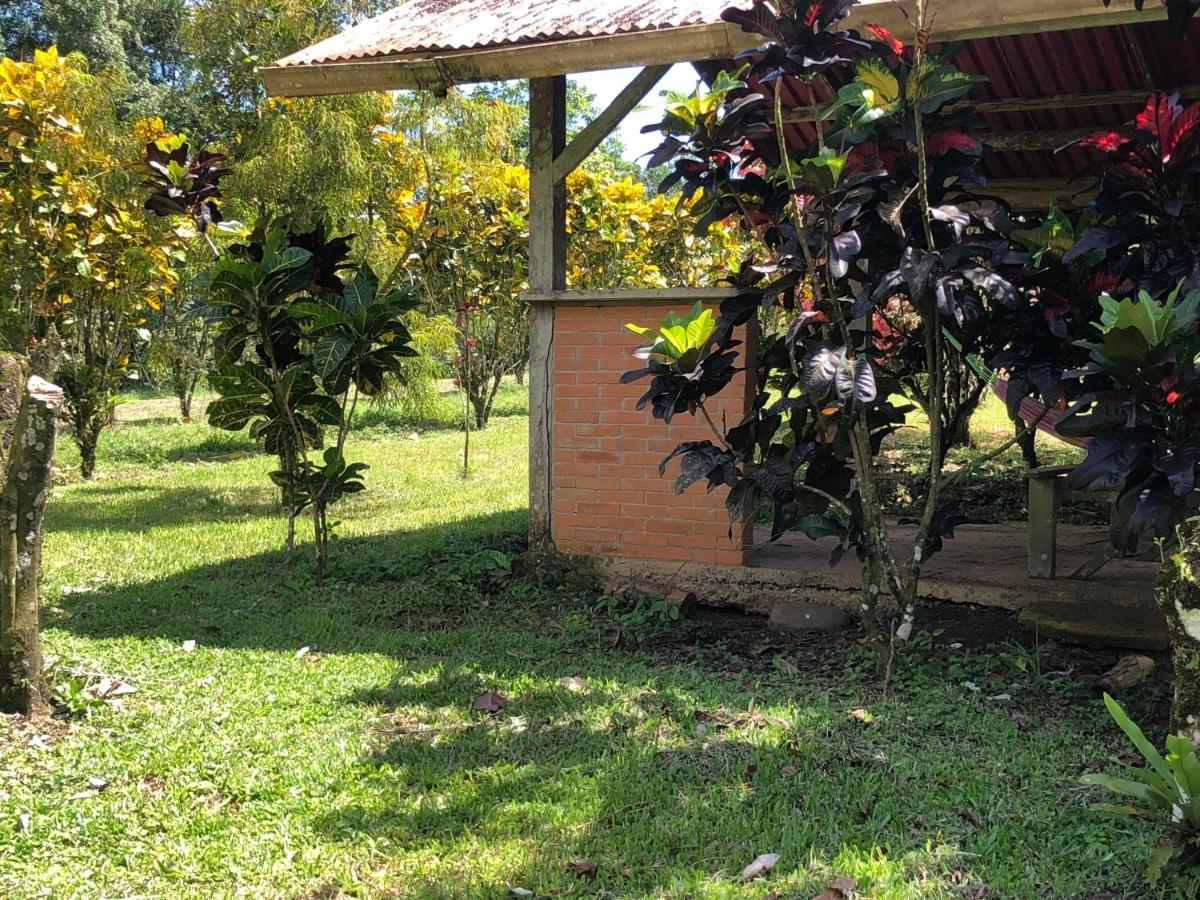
[138,507]
[668,775]
[375,585]
[663,789]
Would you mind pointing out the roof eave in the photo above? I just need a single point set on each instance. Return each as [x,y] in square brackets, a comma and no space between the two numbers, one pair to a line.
[956,20]
[533,60]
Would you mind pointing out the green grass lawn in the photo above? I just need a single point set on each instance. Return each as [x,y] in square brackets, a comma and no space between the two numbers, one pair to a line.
[319,743]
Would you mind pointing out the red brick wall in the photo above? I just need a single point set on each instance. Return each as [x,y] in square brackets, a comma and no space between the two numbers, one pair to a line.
[607,498]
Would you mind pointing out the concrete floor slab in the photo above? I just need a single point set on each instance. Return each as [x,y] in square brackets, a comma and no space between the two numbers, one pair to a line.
[982,564]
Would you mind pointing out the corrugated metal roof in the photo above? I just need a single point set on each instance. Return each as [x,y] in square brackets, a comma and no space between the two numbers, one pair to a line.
[1091,60]
[1139,57]
[421,26]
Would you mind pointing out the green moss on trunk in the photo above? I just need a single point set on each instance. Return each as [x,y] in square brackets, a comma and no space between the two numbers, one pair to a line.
[22,501]
[1178,596]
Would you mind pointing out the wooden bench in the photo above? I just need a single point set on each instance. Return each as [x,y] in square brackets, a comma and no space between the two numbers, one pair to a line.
[1047,488]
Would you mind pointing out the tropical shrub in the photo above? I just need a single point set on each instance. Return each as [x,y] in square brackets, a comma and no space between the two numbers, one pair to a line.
[295,343]
[621,237]
[1165,792]
[80,267]
[472,260]
[874,276]
[316,346]
[1121,350]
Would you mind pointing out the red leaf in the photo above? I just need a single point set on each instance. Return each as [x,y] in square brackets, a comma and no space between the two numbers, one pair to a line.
[1108,141]
[1184,131]
[1157,118]
[944,141]
[894,43]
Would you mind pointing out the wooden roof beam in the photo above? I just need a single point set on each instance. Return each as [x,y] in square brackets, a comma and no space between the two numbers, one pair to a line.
[601,127]
[435,71]
[955,20]
[1036,194]
[1039,104]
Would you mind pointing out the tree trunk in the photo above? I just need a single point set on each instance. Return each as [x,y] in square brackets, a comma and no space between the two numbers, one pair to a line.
[26,485]
[1027,443]
[1178,596]
[87,457]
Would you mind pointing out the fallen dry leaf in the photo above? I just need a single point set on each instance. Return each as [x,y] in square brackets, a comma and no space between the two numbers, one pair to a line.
[861,714]
[841,888]
[763,863]
[490,702]
[582,868]
[573,683]
[1128,671]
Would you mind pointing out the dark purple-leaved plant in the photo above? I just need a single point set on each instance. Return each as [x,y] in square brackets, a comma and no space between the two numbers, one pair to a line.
[1128,360]
[867,225]
[182,184]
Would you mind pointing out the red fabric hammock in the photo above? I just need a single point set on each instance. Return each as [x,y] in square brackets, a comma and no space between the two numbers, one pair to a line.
[1031,409]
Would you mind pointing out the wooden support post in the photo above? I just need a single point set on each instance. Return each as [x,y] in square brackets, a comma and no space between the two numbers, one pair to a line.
[1043,521]
[547,272]
[26,485]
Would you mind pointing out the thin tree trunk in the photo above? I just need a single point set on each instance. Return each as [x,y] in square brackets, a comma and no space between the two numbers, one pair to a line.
[1178,596]
[22,683]
[87,457]
[1027,443]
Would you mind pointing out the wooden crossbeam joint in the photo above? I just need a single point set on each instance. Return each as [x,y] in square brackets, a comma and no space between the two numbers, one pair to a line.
[573,155]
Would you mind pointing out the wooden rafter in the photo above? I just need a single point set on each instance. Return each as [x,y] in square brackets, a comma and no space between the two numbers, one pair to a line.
[1036,194]
[601,127]
[1056,101]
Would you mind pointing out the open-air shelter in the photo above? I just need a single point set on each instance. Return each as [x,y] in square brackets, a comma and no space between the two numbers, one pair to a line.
[1056,70]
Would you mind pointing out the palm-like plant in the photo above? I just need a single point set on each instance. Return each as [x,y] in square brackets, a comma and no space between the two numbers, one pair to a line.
[1166,791]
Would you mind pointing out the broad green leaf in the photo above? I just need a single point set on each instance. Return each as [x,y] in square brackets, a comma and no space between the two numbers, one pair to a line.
[1125,787]
[329,354]
[879,87]
[234,413]
[1127,725]
[359,293]
[325,410]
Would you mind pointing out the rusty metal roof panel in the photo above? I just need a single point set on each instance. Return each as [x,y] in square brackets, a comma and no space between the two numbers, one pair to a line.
[1138,57]
[432,26]
[1097,60]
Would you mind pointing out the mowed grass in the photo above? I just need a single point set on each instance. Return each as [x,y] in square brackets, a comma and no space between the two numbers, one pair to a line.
[321,742]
